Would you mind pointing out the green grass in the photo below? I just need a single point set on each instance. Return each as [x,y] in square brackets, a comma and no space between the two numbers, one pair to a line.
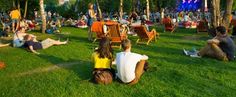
[28,75]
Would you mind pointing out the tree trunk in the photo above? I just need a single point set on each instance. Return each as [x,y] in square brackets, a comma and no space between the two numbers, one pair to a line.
[134,4]
[43,16]
[99,10]
[13,3]
[215,13]
[226,18]
[162,14]
[121,9]
[76,5]
[148,10]
[18,5]
[26,7]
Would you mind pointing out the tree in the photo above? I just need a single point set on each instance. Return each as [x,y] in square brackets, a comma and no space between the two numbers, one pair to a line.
[99,10]
[76,6]
[26,7]
[18,5]
[147,10]
[13,3]
[121,9]
[226,18]
[216,13]
[43,15]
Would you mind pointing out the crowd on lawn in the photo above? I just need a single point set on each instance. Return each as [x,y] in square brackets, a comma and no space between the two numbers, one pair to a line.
[129,66]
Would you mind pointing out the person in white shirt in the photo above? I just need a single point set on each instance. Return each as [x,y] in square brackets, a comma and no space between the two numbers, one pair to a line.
[18,37]
[130,66]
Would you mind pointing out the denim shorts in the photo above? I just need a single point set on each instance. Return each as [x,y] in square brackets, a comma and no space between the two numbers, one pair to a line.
[15,20]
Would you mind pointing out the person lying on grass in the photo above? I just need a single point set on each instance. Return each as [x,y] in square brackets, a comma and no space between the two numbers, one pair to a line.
[130,66]
[33,46]
[102,59]
[221,47]
[3,45]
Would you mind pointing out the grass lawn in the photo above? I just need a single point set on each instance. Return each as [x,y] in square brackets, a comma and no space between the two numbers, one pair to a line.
[64,71]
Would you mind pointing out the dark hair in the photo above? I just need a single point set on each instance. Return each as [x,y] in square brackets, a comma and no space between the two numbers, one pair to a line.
[221,29]
[26,37]
[126,44]
[104,50]
[143,21]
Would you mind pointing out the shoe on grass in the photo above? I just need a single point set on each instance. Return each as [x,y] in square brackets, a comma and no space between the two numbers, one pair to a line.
[195,56]
[185,52]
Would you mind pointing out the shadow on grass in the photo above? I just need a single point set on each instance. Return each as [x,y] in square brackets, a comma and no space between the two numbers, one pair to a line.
[180,81]
[82,68]
[176,56]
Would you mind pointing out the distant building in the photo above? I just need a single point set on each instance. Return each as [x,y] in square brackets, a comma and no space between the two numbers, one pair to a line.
[61,2]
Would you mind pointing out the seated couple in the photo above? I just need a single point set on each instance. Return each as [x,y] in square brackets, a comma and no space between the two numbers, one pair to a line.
[32,44]
[220,47]
[130,66]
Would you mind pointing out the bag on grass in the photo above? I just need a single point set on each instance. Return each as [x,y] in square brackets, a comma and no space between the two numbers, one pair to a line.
[2,65]
[49,31]
[103,77]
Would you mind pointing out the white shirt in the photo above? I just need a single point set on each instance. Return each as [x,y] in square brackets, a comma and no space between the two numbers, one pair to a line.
[126,63]
[18,39]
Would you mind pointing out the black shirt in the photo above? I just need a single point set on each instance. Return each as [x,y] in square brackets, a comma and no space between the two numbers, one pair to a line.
[227,45]
[36,45]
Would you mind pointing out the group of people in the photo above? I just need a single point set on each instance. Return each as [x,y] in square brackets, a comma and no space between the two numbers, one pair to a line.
[30,42]
[129,66]
[19,26]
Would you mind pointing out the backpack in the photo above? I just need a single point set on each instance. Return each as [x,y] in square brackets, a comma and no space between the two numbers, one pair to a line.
[103,77]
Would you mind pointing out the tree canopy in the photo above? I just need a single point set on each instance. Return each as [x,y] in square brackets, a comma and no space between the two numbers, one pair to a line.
[74,7]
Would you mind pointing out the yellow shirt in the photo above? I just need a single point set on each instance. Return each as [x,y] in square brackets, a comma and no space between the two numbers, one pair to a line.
[100,62]
[15,14]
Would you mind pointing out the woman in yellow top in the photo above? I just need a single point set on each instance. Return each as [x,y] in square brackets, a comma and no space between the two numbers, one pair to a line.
[15,17]
[102,57]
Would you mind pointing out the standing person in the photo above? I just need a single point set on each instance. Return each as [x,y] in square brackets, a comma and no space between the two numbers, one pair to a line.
[130,66]
[91,18]
[102,60]
[15,17]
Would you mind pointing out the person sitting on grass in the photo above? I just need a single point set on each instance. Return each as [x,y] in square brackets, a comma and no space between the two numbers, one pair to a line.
[23,24]
[5,32]
[5,24]
[102,58]
[18,37]
[31,24]
[220,47]
[130,66]
[33,46]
